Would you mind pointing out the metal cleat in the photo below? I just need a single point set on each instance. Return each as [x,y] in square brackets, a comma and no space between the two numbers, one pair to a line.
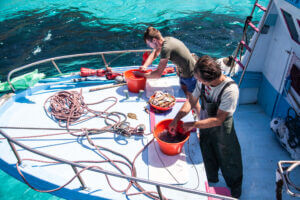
[141,92]
[87,189]
[123,132]
[126,94]
[140,129]
[123,129]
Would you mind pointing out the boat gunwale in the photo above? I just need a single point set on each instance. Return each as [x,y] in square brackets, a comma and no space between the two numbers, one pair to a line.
[73,164]
[68,56]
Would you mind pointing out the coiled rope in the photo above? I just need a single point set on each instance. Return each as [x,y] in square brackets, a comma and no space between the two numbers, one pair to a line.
[68,108]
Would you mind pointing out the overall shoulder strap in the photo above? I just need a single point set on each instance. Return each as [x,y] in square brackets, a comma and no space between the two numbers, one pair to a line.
[202,96]
[202,89]
[221,93]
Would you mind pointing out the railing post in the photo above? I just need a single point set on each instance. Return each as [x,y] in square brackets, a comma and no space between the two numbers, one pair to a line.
[105,63]
[159,192]
[15,152]
[79,177]
[52,60]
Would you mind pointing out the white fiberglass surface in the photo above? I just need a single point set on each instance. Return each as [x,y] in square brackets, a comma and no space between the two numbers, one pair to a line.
[28,111]
[260,150]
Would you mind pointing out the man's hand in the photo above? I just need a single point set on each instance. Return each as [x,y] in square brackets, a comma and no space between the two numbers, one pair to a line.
[172,127]
[108,69]
[138,73]
[143,68]
[188,126]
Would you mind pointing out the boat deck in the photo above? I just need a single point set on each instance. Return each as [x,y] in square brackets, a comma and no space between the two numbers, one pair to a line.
[260,150]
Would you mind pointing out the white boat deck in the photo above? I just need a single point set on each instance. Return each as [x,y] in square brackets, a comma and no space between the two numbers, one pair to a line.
[28,111]
[260,150]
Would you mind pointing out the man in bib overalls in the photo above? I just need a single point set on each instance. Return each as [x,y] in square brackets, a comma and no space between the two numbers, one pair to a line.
[218,141]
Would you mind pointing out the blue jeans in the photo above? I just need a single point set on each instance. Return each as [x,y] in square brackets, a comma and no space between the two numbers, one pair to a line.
[190,83]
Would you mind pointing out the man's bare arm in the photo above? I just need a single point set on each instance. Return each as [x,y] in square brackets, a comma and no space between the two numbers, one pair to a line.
[184,110]
[212,121]
[160,69]
[151,58]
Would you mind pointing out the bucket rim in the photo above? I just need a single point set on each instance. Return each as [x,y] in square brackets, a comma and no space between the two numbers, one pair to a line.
[133,77]
[157,138]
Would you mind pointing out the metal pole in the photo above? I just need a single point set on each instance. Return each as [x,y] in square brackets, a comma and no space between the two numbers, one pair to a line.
[254,43]
[159,192]
[253,7]
[15,151]
[192,191]
[39,128]
[56,66]
[105,63]
[284,173]
[64,57]
[79,177]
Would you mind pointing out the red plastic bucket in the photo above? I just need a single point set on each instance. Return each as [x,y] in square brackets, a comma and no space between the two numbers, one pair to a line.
[168,148]
[135,83]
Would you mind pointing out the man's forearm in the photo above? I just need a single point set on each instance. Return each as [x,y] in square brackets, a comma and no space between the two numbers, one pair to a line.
[150,59]
[186,108]
[153,74]
[208,123]
[212,121]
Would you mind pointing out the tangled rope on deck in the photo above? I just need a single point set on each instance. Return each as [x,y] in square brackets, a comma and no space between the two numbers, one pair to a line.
[68,107]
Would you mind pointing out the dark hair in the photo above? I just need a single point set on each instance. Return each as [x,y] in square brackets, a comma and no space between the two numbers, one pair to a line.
[228,61]
[207,68]
[151,33]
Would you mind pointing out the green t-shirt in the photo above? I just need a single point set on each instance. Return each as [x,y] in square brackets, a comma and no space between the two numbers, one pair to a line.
[174,50]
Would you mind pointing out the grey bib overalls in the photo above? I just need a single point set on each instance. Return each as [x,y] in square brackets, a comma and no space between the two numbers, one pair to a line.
[220,146]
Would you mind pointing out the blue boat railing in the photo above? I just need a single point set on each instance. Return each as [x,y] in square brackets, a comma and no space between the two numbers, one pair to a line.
[52,60]
[12,142]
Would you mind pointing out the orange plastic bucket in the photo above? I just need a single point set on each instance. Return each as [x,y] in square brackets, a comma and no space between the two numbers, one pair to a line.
[134,83]
[169,148]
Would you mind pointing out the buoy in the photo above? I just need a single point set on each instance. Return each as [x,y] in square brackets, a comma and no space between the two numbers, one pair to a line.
[87,72]
[168,70]
[100,72]
[112,75]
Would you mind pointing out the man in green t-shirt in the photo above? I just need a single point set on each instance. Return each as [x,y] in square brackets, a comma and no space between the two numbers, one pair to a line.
[172,49]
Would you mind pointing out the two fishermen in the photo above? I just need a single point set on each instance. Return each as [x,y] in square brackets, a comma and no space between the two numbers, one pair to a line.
[218,94]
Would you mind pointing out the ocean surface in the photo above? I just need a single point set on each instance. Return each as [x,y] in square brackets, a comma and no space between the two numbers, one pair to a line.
[39,29]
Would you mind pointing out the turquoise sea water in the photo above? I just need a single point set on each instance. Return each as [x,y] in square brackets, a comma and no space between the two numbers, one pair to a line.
[38,29]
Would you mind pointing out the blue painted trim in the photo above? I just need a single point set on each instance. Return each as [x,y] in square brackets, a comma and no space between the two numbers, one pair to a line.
[273,103]
[267,96]
[251,79]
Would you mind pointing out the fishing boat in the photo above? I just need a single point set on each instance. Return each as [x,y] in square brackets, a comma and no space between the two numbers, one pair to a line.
[83,136]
